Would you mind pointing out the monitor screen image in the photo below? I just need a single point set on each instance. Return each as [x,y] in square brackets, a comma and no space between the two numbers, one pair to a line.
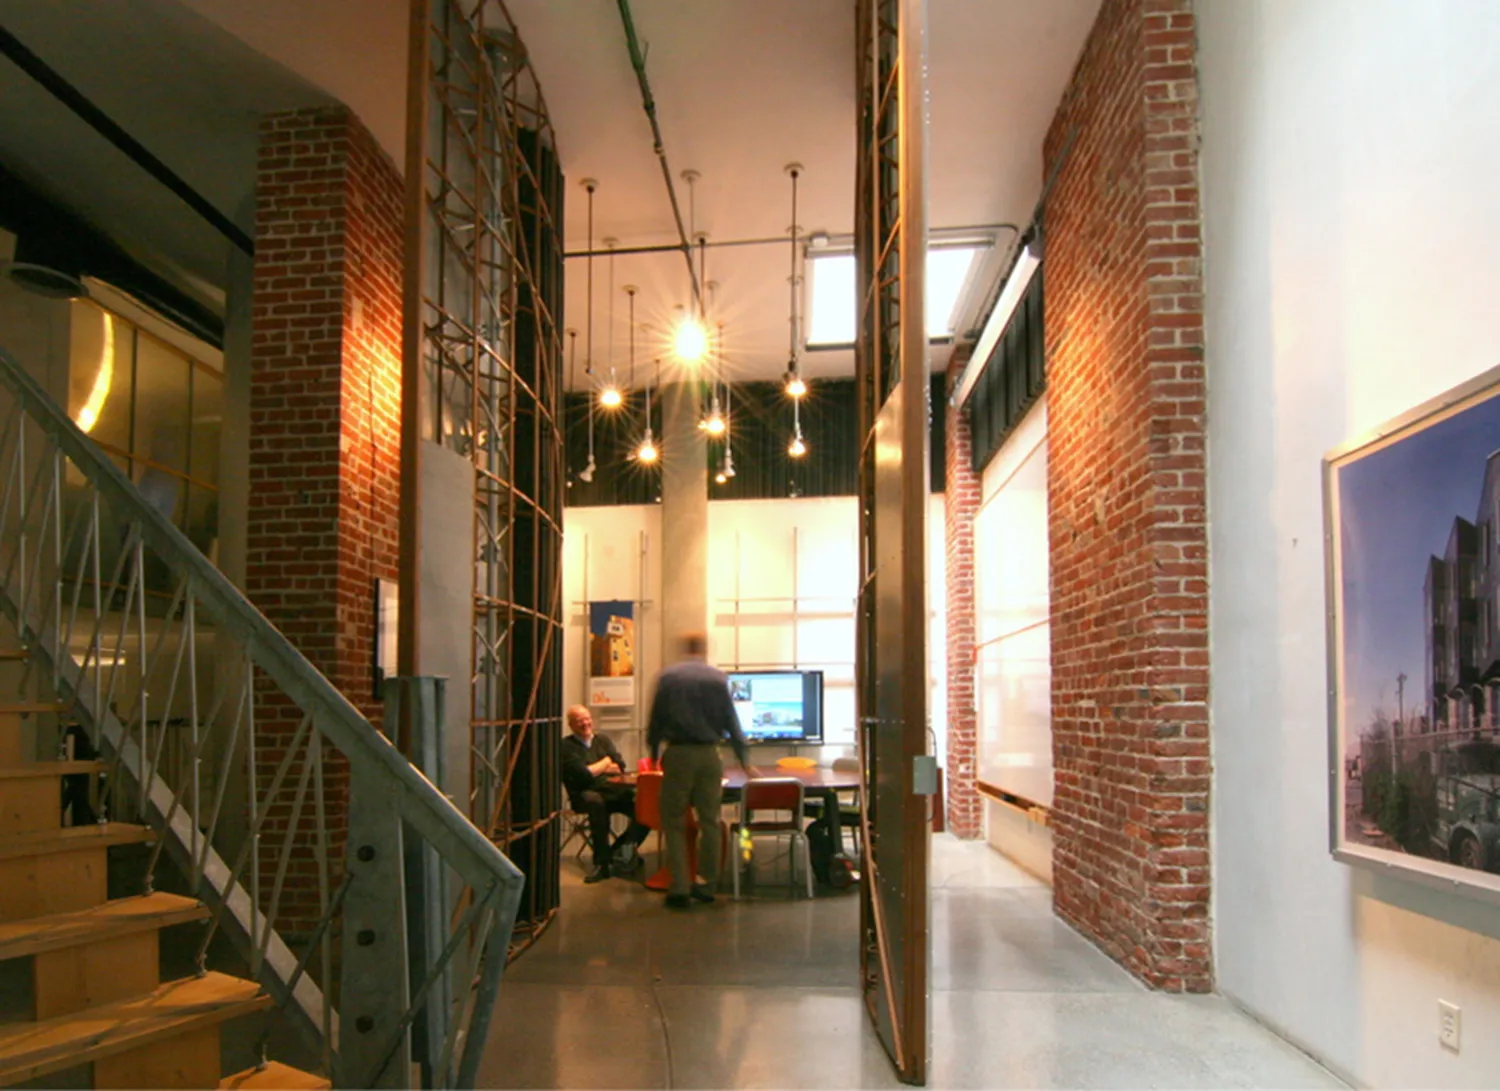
[778,707]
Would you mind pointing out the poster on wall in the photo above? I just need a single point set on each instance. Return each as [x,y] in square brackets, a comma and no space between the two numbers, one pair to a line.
[1412,515]
[611,653]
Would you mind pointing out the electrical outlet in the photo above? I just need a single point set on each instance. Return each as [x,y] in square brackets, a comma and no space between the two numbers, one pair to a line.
[1450,1025]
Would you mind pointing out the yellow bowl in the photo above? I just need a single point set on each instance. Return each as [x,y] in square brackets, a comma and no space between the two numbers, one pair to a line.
[795,763]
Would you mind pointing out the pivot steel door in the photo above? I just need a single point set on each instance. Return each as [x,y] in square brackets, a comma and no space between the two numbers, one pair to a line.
[891,658]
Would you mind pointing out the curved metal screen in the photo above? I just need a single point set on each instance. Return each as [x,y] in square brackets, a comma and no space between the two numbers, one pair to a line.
[488,244]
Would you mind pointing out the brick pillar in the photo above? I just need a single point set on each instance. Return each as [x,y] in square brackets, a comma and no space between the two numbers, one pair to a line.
[1125,390]
[324,425]
[960,506]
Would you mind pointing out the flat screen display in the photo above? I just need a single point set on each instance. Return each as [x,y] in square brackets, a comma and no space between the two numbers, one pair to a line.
[778,707]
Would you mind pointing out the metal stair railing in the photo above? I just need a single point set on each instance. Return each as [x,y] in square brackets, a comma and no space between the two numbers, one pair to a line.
[383,938]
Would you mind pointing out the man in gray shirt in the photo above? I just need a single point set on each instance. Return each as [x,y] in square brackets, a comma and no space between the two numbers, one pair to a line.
[692,714]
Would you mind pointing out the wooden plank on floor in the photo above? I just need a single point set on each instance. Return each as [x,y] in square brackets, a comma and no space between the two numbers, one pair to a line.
[29,1050]
[121,917]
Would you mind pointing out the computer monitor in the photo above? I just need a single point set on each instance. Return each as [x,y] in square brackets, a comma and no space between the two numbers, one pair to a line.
[781,708]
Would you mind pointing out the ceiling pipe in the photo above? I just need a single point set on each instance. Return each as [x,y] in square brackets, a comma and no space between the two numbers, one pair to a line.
[100,122]
[638,62]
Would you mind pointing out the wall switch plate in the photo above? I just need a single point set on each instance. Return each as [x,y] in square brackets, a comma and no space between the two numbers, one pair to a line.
[1450,1025]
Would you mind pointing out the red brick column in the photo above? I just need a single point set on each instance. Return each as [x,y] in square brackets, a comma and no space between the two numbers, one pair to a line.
[960,505]
[324,425]
[1124,333]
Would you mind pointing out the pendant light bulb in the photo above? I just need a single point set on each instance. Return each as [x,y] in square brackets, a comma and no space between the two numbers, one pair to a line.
[728,470]
[647,451]
[691,341]
[714,424]
[610,397]
[795,386]
[720,478]
[586,475]
[797,448]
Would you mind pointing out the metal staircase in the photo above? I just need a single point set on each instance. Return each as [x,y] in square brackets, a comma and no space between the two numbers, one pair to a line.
[169,761]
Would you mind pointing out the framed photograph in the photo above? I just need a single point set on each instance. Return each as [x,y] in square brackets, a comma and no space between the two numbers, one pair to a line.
[611,653]
[1412,518]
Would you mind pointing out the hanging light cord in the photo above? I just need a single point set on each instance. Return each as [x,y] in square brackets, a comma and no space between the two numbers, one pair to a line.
[630,291]
[588,346]
[792,280]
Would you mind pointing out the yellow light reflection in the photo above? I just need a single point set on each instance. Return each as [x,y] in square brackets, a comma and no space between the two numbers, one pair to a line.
[88,416]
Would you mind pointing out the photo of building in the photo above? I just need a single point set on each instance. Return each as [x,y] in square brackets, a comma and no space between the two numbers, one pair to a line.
[1422,774]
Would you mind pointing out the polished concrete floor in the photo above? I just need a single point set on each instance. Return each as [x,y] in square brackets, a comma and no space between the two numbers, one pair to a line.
[622,993]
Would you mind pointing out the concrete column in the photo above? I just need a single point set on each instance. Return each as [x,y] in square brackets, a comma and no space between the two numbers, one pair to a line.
[684,518]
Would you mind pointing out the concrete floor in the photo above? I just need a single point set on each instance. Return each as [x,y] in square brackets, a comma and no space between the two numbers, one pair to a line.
[622,993]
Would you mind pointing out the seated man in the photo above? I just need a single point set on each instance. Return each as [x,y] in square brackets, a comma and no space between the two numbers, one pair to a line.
[592,774]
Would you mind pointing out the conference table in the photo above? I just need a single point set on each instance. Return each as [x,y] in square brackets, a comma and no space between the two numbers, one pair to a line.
[825,782]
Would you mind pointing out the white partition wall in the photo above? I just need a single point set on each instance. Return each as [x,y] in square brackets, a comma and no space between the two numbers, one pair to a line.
[1013,649]
[613,553]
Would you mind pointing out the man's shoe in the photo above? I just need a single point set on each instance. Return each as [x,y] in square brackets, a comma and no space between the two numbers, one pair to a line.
[599,874]
[701,893]
[679,901]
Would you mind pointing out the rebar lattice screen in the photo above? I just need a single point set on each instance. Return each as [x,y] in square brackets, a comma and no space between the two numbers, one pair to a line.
[492,285]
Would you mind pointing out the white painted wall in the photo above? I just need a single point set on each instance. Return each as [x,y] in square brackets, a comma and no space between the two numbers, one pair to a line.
[1350,151]
[764,556]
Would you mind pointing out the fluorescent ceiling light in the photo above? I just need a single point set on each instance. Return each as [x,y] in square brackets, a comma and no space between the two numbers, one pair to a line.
[833,308]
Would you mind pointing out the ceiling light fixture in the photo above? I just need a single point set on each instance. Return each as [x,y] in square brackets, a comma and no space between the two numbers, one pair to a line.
[795,386]
[586,475]
[798,447]
[690,341]
[609,395]
[647,452]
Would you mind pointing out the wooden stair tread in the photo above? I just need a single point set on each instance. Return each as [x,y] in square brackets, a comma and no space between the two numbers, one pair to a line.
[275,1077]
[73,838]
[49,769]
[28,1050]
[121,917]
[34,706]
[14,655]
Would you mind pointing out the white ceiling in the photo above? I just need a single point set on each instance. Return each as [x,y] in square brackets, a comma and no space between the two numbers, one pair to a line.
[743,87]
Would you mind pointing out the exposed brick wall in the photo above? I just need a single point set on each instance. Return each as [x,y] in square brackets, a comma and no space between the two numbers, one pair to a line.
[324,426]
[960,506]
[1124,335]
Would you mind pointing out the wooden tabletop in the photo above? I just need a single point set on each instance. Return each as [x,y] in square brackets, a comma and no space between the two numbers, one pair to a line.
[816,777]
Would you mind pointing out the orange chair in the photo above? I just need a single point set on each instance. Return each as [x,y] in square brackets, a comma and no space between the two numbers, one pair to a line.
[648,813]
[783,797]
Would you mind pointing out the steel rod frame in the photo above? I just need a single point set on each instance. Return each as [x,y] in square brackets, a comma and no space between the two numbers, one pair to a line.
[891,380]
[484,369]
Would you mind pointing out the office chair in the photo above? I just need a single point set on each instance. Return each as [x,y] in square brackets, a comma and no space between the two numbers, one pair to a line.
[783,798]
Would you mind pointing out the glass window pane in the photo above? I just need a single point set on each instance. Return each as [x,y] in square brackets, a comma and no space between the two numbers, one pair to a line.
[161,405]
[208,420]
[99,384]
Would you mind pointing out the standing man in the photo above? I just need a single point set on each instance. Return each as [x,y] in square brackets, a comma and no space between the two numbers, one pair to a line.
[692,714]
[592,773]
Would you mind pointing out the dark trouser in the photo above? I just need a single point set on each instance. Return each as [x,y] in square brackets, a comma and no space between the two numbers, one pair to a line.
[599,804]
[692,773]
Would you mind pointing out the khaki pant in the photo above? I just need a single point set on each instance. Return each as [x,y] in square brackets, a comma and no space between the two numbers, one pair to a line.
[691,774]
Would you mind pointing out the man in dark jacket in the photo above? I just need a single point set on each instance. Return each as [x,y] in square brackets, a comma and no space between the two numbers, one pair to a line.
[592,774]
[692,714]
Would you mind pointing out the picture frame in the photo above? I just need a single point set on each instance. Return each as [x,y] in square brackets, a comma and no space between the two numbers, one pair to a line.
[1412,565]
